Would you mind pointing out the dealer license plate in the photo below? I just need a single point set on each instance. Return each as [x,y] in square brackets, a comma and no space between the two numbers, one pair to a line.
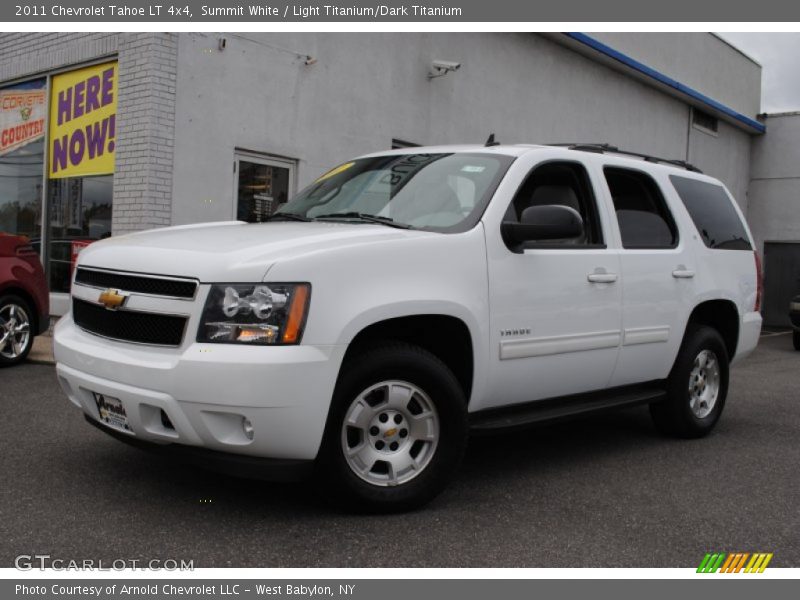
[112,412]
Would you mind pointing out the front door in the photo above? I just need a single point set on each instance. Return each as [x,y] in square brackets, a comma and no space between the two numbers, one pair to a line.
[555,306]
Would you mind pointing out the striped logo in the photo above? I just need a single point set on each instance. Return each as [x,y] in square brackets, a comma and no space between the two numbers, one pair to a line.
[735,562]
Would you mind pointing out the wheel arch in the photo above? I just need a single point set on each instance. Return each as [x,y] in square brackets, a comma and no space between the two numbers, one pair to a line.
[721,315]
[446,336]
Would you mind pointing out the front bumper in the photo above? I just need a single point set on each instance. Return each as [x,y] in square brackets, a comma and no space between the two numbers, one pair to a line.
[206,390]
[238,465]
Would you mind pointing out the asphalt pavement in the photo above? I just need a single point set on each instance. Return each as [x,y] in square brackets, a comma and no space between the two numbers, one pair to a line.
[605,491]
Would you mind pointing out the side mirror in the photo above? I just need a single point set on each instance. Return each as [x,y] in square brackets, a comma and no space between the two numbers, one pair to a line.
[541,223]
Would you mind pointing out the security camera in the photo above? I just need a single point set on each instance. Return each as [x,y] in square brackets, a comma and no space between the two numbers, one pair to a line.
[446,65]
[442,67]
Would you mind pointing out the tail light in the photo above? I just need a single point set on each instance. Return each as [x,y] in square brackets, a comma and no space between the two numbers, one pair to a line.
[759,283]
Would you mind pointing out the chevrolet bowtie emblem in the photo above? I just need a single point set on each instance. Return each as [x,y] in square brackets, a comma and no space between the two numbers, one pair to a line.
[112,299]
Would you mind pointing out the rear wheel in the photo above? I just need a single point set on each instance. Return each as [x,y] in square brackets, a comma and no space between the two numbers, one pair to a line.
[796,339]
[397,429]
[697,386]
[16,330]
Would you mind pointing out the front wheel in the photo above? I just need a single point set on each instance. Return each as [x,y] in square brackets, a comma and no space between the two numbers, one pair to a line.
[697,386]
[397,429]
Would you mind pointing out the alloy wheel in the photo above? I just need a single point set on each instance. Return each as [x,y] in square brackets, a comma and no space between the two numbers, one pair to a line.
[15,331]
[390,433]
[704,383]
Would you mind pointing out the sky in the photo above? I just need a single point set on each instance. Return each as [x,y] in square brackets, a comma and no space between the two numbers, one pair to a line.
[779,55]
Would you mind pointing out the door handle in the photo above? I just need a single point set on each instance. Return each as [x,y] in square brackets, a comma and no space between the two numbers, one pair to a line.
[682,273]
[601,277]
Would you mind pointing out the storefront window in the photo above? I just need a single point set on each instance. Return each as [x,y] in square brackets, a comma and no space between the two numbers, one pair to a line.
[22,114]
[61,187]
[79,210]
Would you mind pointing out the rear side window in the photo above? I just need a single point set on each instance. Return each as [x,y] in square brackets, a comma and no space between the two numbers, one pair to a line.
[643,217]
[713,214]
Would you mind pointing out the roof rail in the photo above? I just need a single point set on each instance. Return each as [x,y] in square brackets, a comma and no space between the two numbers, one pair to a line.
[602,148]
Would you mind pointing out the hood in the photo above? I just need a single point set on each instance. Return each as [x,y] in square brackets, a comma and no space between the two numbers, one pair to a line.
[231,251]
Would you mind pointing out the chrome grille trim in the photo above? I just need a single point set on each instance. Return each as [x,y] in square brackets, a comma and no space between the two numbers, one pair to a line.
[141,284]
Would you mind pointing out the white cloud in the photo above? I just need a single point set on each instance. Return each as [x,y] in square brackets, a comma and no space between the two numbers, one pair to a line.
[779,55]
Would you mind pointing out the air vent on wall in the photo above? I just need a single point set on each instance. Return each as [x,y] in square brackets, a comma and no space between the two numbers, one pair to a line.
[705,121]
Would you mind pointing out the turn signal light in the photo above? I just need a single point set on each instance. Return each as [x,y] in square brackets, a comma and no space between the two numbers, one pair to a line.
[297,315]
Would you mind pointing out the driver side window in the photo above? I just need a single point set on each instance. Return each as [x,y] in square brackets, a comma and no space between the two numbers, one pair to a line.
[560,183]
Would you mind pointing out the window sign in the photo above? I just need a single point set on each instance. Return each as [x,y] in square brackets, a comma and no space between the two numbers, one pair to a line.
[81,142]
[22,112]
[83,108]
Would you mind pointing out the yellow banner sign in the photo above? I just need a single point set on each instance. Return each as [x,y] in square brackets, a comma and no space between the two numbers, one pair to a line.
[83,109]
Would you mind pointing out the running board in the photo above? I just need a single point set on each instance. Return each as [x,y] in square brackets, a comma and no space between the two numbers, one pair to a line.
[565,407]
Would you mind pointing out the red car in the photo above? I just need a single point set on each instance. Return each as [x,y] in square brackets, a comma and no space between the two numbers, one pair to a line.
[24,298]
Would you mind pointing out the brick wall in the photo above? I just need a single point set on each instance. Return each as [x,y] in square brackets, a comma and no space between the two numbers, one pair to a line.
[146,122]
[145,110]
[26,54]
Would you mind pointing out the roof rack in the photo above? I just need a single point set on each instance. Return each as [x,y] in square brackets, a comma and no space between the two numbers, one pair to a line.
[602,148]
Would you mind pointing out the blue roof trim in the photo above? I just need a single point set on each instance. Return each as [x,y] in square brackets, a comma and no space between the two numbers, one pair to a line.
[668,81]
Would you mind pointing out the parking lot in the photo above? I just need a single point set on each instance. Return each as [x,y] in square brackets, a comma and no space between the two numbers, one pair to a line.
[605,491]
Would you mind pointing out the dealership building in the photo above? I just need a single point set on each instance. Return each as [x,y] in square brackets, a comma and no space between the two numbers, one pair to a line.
[108,133]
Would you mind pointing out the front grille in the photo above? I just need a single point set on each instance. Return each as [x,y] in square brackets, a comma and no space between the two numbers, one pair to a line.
[127,325]
[141,284]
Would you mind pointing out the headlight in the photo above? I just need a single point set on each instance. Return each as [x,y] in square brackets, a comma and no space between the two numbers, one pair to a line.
[260,313]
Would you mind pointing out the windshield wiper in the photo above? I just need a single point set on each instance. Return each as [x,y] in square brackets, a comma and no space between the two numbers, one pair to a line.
[388,221]
[288,217]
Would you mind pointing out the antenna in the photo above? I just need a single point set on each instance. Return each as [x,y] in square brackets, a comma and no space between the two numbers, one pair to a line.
[491,142]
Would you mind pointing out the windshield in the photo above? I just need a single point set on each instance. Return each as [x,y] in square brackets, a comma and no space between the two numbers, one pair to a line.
[444,192]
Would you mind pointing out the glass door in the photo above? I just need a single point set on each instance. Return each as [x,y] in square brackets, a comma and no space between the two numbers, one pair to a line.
[261,185]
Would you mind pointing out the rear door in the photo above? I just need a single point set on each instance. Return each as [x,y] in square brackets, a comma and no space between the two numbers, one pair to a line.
[657,276]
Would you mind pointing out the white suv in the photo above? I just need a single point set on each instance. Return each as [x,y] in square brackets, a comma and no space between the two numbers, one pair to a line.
[407,298]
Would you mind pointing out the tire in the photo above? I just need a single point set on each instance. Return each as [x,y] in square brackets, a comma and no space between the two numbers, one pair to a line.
[407,434]
[697,386]
[16,330]
[796,339]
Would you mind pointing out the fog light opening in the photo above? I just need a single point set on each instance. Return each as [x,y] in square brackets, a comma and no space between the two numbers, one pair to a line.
[165,422]
[247,427]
